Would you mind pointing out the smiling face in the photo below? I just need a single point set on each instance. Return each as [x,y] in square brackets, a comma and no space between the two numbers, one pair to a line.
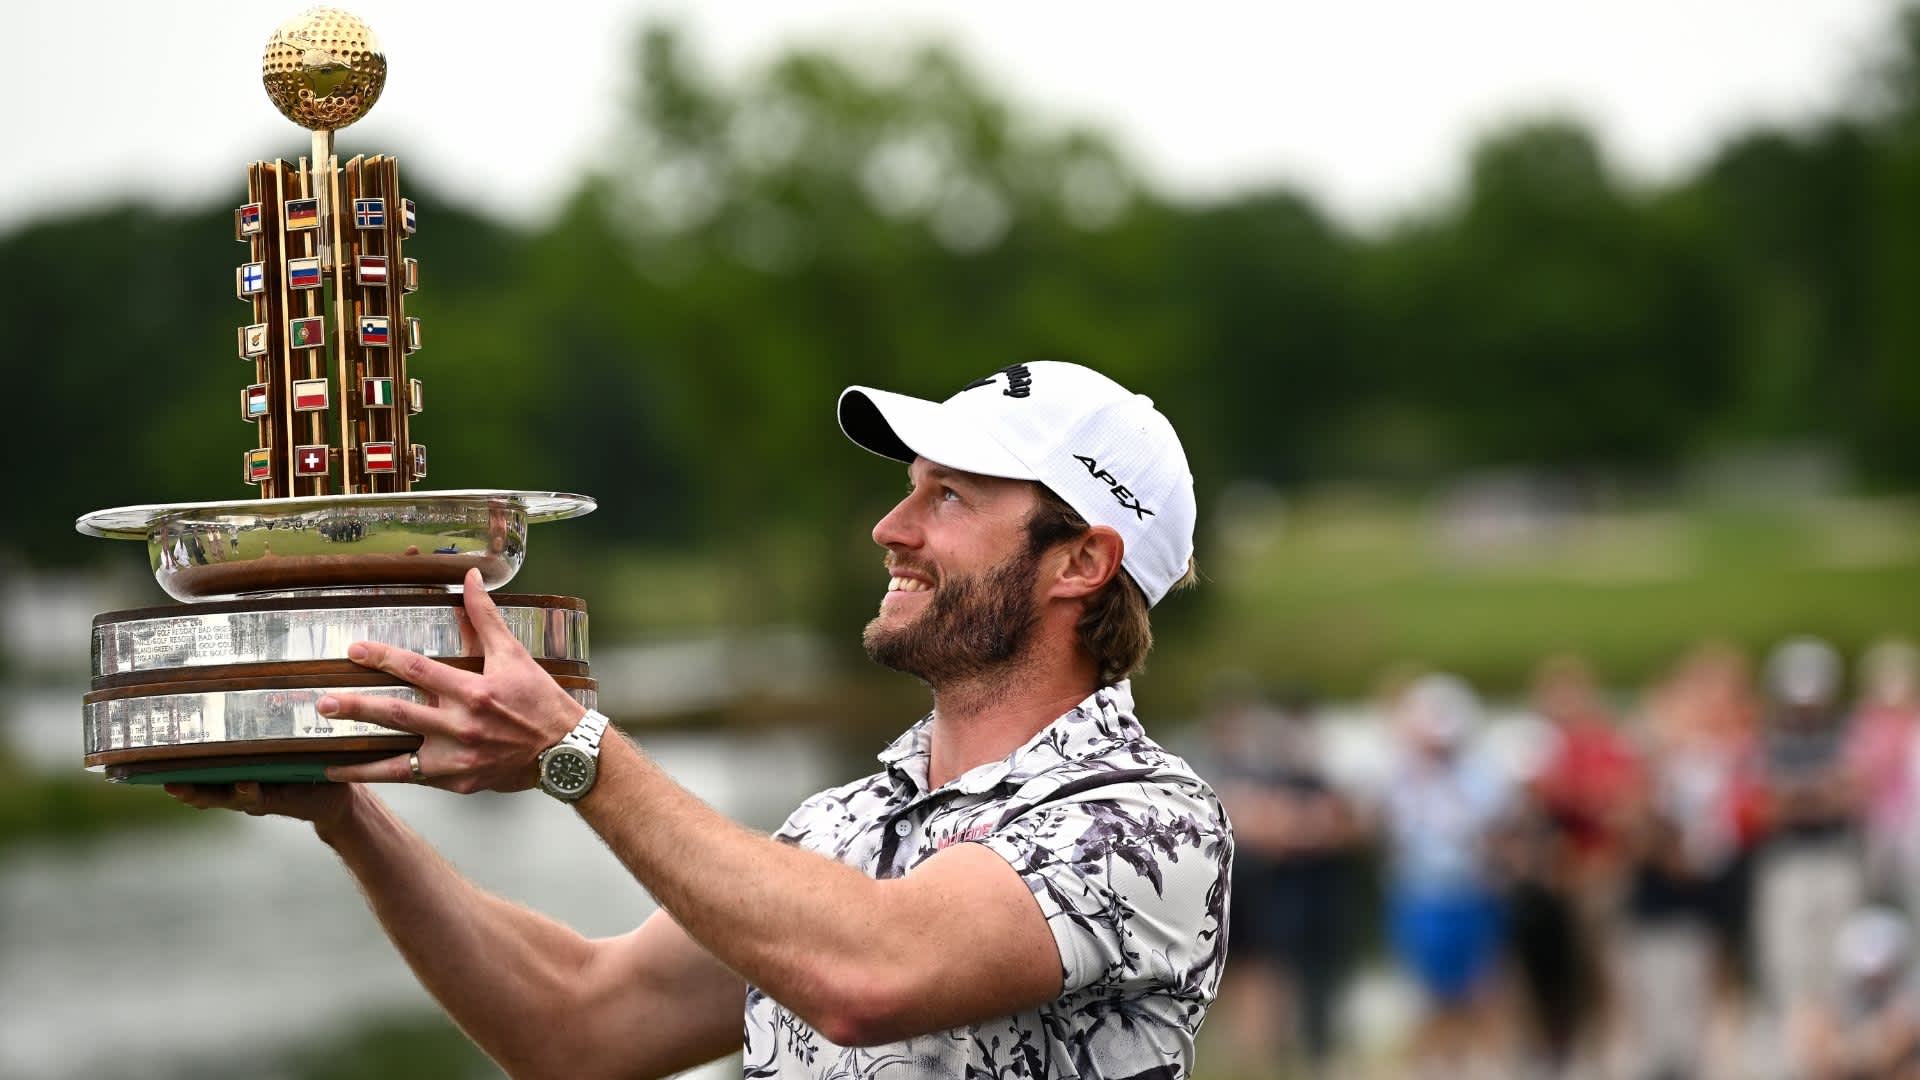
[962,592]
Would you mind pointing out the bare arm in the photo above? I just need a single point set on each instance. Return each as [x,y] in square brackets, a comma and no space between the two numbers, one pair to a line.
[864,961]
[538,997]
[957,940]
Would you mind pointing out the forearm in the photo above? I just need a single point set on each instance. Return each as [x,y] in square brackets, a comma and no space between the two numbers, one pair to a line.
[814,934]
[502,972]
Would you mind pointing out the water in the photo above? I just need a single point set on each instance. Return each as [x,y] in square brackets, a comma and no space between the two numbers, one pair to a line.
[148,951]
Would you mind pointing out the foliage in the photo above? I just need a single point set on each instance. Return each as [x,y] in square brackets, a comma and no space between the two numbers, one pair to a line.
[72,807]
[673,339]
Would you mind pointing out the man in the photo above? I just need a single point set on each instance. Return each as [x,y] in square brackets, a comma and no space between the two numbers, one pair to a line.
[1811,875]
[1030,887]
[1294,834]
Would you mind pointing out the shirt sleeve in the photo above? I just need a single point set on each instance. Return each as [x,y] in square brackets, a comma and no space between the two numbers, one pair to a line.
[1133,881]
[818,822]
[803,821]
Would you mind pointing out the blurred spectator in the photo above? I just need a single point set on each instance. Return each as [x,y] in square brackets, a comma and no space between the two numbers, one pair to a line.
[1637,879]
[1869,1029]
[1696,817]
[1542,931]
[1443,817]
[1589,771]
[1810,875]
[1292,835]
[1571,877]
[1884,753]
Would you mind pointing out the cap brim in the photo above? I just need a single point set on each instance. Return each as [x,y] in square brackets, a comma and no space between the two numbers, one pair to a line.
[902,428]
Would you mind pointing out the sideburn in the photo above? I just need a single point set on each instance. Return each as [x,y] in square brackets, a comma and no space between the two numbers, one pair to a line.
[971,626]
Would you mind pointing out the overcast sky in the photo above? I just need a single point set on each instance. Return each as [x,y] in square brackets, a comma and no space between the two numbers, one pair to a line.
[1367,104]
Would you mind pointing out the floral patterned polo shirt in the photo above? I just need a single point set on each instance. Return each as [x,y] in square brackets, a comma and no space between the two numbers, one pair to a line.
[1127,852]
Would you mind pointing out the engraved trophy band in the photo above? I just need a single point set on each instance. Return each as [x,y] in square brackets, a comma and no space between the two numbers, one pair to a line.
[228,686]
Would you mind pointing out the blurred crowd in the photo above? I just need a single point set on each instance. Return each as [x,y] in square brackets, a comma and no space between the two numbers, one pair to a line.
[1714,877]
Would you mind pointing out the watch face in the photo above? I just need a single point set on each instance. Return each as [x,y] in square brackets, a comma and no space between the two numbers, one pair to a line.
[567,771]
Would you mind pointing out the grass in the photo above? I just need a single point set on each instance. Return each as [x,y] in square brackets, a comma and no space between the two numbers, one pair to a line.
[1331,594]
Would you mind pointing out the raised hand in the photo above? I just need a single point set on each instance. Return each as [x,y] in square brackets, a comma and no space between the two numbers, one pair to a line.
[480,732]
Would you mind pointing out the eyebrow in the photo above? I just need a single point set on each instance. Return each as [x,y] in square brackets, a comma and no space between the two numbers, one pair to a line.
[944,474]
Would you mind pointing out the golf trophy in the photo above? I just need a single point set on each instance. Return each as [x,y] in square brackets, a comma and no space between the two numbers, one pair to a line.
[339,546]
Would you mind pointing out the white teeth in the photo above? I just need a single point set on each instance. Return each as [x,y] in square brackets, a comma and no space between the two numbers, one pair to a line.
[906,584]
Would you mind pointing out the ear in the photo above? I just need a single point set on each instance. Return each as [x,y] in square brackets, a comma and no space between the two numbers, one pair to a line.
[1092,559]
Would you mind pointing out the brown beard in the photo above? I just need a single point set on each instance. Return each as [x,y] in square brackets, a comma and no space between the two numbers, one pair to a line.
[971,626]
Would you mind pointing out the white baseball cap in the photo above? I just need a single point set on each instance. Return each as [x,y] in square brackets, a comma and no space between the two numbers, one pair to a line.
[1442,708]
[1107,452]
[1804,672]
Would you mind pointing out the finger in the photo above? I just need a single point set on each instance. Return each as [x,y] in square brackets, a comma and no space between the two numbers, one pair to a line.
[412,667]
[203,796]
[182,793]
[485,616]
[470,642]
[387,710]
[393,770]
[249,798]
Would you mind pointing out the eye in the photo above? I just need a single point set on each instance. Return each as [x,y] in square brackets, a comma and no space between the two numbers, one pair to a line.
[948,494]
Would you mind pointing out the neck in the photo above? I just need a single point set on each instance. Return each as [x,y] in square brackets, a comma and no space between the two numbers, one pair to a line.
[987,717]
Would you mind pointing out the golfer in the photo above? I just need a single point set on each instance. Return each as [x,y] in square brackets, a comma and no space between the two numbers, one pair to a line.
[1030,886]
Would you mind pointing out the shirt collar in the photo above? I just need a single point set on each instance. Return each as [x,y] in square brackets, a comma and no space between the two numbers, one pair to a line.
[910,752]
[1103,719]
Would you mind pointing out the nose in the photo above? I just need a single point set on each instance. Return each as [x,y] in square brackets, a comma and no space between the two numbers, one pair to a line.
[900,527]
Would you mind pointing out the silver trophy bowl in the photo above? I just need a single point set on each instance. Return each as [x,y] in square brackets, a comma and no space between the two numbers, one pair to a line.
[325,543]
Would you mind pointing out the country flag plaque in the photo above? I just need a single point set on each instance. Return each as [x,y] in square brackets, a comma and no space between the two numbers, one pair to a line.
[379,456]
[253,340]
[338,544]
[310,395]
[303,273]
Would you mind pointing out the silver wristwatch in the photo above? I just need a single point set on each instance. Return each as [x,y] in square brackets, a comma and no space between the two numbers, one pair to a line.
[567,768]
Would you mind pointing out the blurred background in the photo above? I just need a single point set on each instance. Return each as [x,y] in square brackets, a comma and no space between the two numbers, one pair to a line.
[1547,372]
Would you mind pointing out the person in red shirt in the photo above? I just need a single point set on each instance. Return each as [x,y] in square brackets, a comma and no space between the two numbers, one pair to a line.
[1568,898]
[1586,780]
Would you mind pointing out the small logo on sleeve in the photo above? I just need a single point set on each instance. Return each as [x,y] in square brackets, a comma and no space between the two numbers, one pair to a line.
[1121,494]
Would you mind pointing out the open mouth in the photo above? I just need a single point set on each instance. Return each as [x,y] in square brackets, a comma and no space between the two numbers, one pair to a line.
[908,584]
